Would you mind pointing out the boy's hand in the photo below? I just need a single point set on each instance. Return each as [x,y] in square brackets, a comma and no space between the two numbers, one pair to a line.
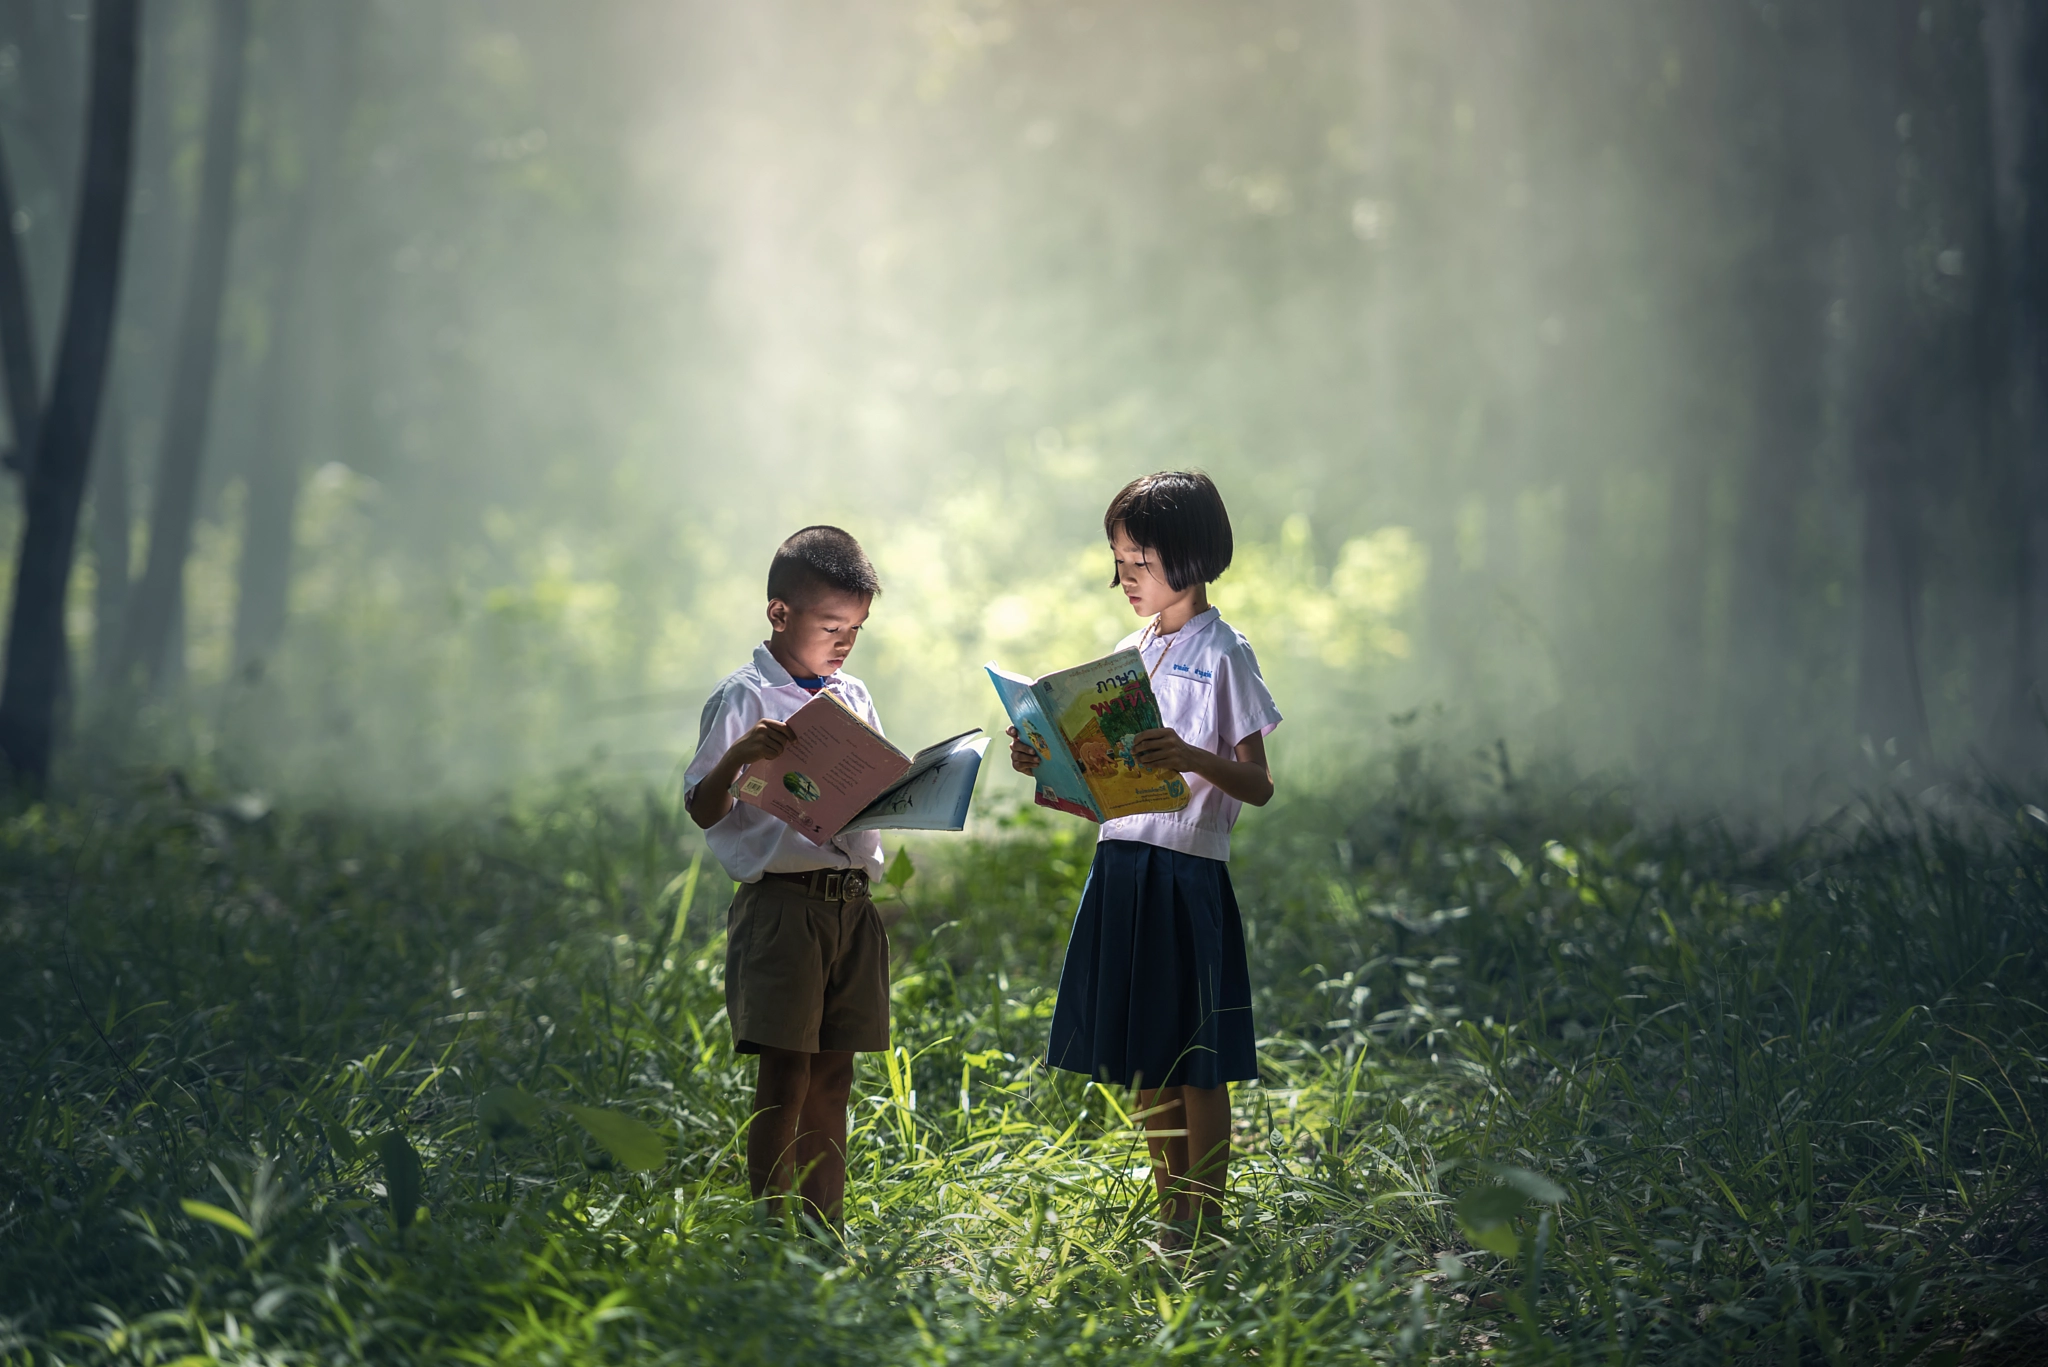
[1023,758]
[712,798]
[1162,748]
[767,740]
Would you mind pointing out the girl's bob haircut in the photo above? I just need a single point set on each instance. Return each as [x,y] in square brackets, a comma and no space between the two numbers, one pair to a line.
[1179,516]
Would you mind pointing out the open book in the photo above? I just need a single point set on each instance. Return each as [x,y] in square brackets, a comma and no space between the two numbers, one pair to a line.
[1081,722]
[839,774]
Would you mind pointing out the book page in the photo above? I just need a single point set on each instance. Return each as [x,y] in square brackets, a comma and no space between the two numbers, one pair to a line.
[935,799]
[834,768]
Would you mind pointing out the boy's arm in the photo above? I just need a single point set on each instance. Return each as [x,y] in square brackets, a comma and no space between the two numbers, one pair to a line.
[711,799]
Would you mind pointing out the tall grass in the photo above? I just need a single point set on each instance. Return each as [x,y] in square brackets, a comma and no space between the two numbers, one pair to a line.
[1540,1084]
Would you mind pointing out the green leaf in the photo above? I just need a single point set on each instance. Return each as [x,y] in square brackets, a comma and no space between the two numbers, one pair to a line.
[1485,1214]
[900,870]
[502,1110]
[341,1141]
[1533,1185]
[636,1147]
[404,1179]
[214,1215]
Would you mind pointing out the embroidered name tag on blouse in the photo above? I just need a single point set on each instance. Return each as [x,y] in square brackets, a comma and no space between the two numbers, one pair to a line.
[1180,670]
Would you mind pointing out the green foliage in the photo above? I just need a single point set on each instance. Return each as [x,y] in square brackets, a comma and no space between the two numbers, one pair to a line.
[1539,1085]
[634,1145]
[403,1177]
[900,870]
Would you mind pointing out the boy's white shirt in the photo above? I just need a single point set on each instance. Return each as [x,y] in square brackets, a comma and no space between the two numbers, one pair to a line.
[1211,693]
[748,841]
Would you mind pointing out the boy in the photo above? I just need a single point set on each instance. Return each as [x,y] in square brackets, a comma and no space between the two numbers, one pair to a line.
[806,958]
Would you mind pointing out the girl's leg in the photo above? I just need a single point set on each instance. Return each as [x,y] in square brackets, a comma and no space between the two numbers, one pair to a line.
[1206,1157]
[1169,1151]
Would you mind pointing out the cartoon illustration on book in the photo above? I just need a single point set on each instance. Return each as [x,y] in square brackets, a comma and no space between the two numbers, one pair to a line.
[1083,722]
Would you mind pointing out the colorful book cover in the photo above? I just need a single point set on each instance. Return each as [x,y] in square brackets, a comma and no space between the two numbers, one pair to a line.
[1082,721]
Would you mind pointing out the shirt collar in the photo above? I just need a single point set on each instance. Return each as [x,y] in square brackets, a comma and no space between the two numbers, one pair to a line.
[1193,627]
[773,675]
[770,669]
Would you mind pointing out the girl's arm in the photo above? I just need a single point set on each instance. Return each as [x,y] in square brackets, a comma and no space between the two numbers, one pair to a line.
[1246,777]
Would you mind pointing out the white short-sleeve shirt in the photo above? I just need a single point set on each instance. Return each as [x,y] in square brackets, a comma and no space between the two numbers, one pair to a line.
[1211,693]
[748,841]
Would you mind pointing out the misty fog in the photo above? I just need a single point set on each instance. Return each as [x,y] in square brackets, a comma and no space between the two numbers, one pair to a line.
[1639,386]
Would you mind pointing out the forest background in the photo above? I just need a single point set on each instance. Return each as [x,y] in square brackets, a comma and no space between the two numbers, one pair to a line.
[1649,388]
[1631,413]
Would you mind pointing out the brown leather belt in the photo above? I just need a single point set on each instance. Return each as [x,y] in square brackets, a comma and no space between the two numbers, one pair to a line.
[829,885]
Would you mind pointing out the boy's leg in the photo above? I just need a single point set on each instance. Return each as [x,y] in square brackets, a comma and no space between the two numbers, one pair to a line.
[1208,1149]
[821,1134]
[778,1106]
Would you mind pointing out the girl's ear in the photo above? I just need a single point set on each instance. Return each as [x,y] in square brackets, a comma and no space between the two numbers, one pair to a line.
[778,615]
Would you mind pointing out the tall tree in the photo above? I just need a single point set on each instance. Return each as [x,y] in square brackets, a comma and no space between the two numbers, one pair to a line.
[36,660]
[17,333]
[326,68]
[2016,54]
[152,628]
[1787,60]
[2030,680]
[112,519]
[1888,423]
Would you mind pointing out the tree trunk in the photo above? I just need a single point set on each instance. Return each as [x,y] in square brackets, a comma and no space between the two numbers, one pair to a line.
[1889,408]
[1891,709]
[156,607]
[1783,309]
[17,335]
[112,520]
[2016,52]
[36,648]
[271,513]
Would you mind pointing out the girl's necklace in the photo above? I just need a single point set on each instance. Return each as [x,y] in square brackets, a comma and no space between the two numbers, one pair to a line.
[1158,636]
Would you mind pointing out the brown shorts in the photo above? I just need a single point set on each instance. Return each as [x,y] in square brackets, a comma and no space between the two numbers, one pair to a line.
[805,974]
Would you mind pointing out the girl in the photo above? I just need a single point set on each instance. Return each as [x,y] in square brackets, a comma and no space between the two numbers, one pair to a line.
[1155,994]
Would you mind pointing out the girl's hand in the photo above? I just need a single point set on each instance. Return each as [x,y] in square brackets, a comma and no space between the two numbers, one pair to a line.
[1162,748]
[1023,758]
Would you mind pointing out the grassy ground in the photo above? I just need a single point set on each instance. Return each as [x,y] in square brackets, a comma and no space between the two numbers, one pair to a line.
[1539,1085]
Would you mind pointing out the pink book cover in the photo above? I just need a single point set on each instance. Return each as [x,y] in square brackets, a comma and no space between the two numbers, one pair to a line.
[834,768]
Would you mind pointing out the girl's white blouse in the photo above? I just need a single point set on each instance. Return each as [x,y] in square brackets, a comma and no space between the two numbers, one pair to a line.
[1210,692]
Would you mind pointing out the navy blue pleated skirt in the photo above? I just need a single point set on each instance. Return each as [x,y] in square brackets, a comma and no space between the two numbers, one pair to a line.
[1155,991]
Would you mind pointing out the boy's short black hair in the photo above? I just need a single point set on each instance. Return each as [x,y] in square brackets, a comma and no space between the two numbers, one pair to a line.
[1179,515]
[820,558]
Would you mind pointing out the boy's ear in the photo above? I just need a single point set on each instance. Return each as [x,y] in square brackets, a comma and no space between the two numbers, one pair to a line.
[778,614]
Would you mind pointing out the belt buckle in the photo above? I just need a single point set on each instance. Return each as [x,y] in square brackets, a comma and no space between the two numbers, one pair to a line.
[833,883]
[856,884]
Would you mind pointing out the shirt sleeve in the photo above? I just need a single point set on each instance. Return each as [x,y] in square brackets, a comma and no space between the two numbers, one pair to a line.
[1244,707]
[866,709]
[728,714]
